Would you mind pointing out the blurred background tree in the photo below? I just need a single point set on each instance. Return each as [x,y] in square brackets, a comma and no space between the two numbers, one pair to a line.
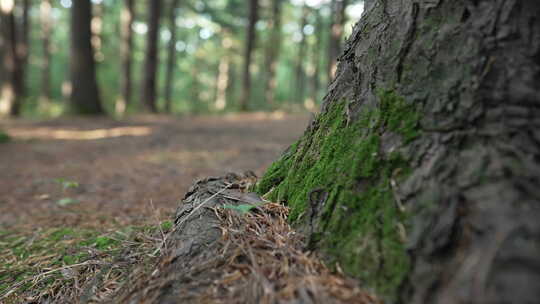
[171,56]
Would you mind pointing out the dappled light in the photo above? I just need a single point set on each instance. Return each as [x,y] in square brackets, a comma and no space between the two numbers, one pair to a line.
[53,133]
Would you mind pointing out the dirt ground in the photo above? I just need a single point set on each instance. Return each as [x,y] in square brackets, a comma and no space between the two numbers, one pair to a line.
[127,171]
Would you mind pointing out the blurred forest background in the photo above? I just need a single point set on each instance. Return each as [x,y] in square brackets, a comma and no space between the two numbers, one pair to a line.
[170,56]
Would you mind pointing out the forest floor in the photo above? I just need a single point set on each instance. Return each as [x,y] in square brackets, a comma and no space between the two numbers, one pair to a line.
[98,172]
[86,209]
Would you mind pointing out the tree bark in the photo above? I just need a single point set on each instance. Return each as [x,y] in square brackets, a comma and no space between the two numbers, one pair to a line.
[127,16]
[419,176]
[300,73]
[85,97]
[12,86]
[273,49]
[171,57]
[250,45]
[148,85]
[46,29]
[336,33]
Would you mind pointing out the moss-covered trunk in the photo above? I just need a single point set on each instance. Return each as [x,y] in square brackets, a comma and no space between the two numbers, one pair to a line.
[419,176]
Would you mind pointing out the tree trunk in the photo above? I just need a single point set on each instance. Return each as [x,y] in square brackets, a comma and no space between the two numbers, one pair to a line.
[336,32]
[316,79]
[151,58]
[171,57]
[84,90]
[300,74]
[97,31]
[12,86]
[420,174]
[46,28]
[273,49]
[250,45]
[223,80]
[23,46]
[126,49]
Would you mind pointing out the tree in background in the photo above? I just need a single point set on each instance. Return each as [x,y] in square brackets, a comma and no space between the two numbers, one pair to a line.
[300,73]
[273,48]
[249,46]
[23,44]
[12,85]
[223,77]
[148,95]
[46,30]
[127,15]
[84,95]
[336,34]
[171,57]
[316,55]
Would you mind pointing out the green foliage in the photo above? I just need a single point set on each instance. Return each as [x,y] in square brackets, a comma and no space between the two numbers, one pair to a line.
[4,137]
[359,225]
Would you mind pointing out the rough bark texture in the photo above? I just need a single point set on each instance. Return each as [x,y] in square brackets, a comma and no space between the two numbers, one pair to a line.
[420,174]
[85,97]
[250,45]
[171,56]
[126,18]
[187,268]
[148,85]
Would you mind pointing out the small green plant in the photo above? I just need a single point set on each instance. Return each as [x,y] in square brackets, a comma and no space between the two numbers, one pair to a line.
[66,201]
[243,208]
[66,185]
[166,225]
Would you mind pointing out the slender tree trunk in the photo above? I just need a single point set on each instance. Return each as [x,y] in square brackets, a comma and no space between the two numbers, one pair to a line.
[11,90]
[223,73]
[250,45]
[336,34]
[316,80]
[171,57]
[300,73]
[23,45]
[97,31]
[127,16]
[148,85]
[85,97]
[272,53]
[46,28]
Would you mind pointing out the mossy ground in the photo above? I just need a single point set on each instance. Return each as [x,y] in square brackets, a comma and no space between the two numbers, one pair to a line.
[359,225]
[62,262]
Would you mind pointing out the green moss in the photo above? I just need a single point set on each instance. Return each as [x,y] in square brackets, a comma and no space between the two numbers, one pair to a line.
[359,224]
